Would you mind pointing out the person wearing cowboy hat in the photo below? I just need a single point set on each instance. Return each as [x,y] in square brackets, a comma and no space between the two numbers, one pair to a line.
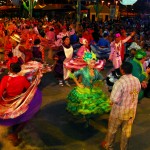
[16,44]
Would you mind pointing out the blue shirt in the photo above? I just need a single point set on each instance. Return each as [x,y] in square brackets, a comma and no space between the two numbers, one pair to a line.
[103,42]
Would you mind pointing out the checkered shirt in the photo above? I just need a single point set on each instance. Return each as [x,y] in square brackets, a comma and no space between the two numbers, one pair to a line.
[125,97]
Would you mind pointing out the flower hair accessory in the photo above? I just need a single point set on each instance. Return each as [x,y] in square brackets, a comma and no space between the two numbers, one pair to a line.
[89,56]
[117,35]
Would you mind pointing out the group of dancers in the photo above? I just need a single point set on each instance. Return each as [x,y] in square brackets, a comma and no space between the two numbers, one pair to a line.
[20,98]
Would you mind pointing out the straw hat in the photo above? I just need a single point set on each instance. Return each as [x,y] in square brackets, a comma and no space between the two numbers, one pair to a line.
[16,37]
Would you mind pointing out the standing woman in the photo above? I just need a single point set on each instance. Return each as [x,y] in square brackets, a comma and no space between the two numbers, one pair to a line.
[19,102]
[87,99]
[64,55]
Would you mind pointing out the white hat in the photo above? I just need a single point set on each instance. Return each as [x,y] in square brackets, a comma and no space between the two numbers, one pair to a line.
[16,37]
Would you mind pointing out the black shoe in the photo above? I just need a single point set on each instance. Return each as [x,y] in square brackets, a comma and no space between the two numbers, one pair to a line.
[67,83]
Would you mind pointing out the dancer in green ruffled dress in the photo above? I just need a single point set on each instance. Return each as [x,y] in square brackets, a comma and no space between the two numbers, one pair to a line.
[87,99]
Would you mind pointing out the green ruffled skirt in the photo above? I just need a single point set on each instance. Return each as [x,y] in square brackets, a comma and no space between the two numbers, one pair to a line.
[88,102]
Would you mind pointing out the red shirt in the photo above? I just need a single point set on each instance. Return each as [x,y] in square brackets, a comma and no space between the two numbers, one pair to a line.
[13,85]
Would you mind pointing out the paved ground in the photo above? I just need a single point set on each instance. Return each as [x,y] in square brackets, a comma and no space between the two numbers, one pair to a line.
[53,128]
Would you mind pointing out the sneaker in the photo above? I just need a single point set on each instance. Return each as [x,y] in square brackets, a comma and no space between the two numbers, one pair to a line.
[67,83]
[61,83]
[112,79]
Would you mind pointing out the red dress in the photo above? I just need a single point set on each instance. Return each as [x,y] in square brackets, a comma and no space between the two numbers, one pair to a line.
[14,85]
[18,106]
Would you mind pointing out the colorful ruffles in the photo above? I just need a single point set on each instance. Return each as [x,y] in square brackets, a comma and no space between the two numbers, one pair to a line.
[78,63]
[88,101]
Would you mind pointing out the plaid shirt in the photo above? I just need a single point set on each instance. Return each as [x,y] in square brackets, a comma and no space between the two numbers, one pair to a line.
[125,97]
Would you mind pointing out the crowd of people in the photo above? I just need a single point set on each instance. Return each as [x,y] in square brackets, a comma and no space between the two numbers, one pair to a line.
[75,51]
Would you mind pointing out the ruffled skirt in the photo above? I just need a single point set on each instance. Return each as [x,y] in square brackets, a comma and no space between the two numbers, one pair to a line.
[86,101]
[78,63]
[33,108]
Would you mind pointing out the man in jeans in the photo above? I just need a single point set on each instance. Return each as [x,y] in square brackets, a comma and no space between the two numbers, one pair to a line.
[124,97]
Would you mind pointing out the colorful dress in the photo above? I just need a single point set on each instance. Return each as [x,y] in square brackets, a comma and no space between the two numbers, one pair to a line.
[78,62]
[82,50]
[17,106]
[89,100]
